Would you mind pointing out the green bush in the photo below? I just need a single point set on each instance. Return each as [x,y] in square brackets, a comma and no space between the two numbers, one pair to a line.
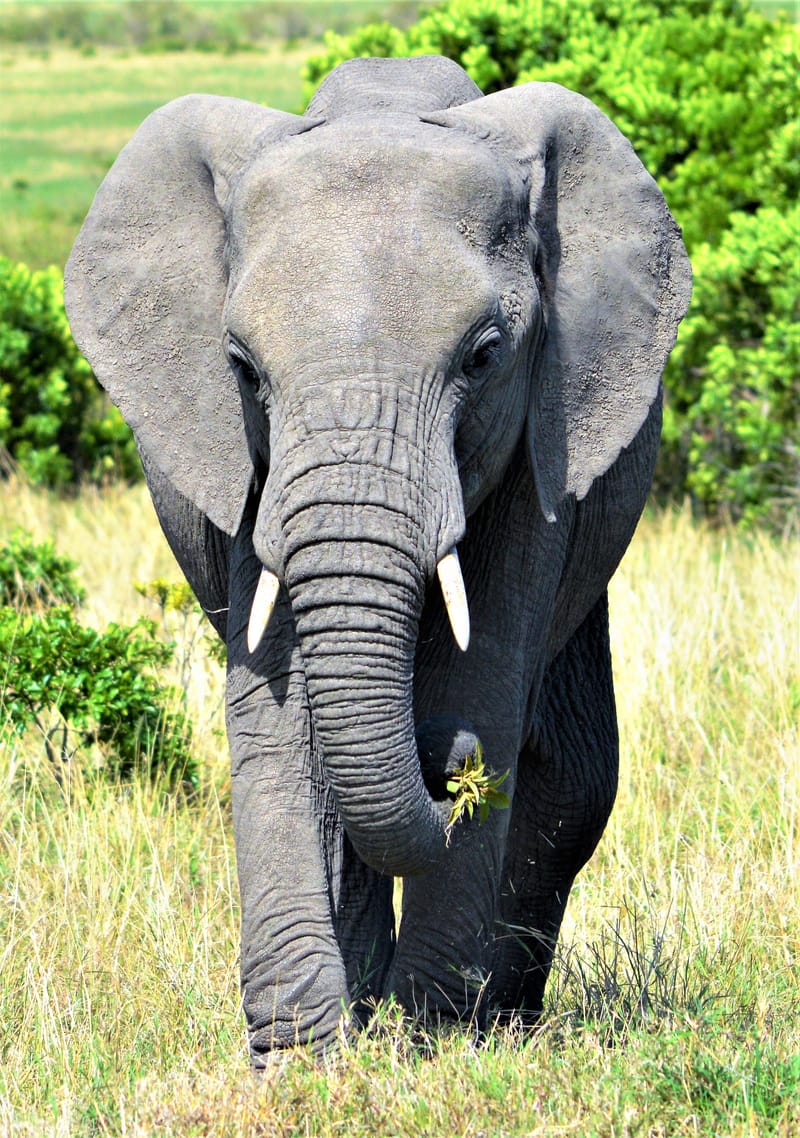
[87,688]
[35,575]
[55,421]
[731,428]
[707,91]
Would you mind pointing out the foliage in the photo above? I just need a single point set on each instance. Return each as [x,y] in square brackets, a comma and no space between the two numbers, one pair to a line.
[67,679]
[54,420]
[707,91]
[34,575]
[731,425]
[472,785]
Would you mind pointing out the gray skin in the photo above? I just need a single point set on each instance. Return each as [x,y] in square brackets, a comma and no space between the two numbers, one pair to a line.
[347,341]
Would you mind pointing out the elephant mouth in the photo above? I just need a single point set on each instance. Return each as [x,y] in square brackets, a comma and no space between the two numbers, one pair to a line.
[451,581]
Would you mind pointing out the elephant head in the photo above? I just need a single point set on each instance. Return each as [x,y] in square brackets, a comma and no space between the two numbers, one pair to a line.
[346,323]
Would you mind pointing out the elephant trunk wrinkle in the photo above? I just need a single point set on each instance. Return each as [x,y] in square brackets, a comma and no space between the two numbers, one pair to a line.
[358,657]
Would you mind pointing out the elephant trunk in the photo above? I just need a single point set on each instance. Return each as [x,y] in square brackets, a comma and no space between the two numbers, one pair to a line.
[356,603]
[362,501]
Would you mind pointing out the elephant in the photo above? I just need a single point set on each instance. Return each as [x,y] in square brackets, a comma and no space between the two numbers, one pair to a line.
[415,334]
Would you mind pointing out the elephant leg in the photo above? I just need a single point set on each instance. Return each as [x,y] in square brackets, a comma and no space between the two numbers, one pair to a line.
[566,784]
[363,918]
[317,924]
[441,968]
[293,977]
[443,963]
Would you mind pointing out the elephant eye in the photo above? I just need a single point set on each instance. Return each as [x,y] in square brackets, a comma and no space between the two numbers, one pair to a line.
[486,354]
[242,364]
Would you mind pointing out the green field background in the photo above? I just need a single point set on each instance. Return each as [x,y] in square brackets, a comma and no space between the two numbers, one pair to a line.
[65,117]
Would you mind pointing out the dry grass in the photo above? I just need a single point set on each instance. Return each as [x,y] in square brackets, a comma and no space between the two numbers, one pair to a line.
[675,1006]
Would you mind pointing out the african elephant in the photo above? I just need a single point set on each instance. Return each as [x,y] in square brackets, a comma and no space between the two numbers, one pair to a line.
[412,319]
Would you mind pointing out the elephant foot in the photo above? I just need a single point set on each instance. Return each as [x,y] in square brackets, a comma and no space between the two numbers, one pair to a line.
[457,1000]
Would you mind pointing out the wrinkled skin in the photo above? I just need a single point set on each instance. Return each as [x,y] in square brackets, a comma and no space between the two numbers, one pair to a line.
[411,319]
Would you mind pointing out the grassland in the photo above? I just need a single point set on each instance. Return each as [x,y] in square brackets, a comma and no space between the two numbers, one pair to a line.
[674,1008]
[64,116]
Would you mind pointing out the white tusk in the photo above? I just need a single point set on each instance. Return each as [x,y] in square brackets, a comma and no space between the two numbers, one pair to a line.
[455,597]
[263,604]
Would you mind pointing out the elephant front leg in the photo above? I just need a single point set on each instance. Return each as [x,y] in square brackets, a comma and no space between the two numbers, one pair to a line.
[441,968]
[294,983]
[294,978]
[317,924]
[363,920]
[441,964]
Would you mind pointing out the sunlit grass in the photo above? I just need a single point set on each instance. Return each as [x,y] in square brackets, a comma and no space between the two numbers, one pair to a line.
[674,1008]
[65,116]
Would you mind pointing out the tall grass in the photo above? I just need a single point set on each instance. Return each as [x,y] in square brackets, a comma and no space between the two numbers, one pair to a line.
[674,1007]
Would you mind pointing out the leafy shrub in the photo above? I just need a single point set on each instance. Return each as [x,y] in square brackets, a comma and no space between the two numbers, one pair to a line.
[64,678]
[55,422]
[707,91]
[731,428]
[35,575]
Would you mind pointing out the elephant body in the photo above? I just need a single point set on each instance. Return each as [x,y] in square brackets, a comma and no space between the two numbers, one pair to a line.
[413,318]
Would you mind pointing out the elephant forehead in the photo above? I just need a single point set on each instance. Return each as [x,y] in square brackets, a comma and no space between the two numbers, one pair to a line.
[387,238]
[335,178]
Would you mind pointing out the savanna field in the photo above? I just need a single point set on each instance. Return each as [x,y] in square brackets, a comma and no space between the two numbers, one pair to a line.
[674,1007]
[674,1004]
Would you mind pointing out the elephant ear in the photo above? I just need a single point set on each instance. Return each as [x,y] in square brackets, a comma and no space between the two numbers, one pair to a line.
[145,286]
[614,271]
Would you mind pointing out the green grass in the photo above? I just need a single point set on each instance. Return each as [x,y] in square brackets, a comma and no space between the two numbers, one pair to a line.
[674,1007]
[64,118]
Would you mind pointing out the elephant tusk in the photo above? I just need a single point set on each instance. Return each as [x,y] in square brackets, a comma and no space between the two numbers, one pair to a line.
[263,604]
[455,597]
